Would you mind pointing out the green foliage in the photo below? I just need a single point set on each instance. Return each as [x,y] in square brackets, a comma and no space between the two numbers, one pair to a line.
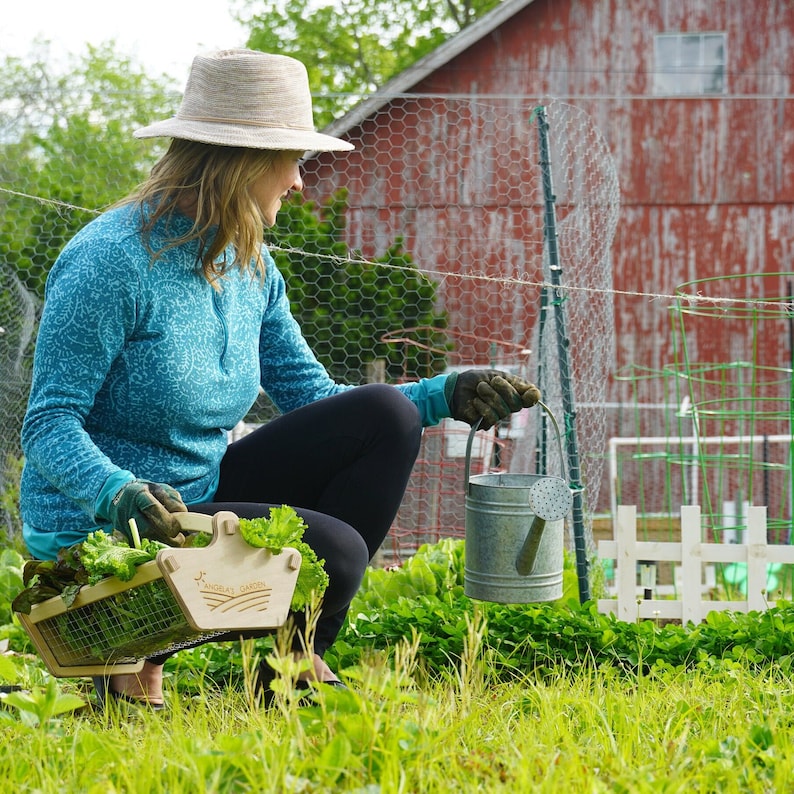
[631,706]
[346,305]
[68,138]
[357,48]
[424,600]
[284,527]
[425,597]
[41,705]
[11,565]
[281,528]
[355,740]
[103,555]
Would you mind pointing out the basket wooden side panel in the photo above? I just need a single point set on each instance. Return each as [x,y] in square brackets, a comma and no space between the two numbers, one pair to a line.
[229,585]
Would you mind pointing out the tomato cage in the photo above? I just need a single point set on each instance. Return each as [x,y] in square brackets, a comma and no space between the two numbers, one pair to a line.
[738,397]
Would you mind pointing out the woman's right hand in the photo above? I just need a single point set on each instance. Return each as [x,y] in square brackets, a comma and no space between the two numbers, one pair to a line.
[152,505]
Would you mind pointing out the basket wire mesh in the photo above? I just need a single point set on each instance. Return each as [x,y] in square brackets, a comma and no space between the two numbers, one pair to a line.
[121,628]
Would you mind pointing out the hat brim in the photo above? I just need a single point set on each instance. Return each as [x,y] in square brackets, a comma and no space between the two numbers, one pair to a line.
[244,135]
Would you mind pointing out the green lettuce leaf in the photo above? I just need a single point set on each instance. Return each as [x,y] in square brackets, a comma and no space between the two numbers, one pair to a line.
[284,527]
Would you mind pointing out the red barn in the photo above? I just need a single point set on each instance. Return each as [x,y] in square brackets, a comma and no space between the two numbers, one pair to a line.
[686,107]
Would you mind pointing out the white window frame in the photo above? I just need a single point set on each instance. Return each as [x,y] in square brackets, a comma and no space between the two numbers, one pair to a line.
[690,64]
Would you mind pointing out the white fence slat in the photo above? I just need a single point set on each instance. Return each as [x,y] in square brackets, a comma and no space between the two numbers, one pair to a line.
[756,557]
[723,552]
[691,564]
[691,554]
[646,549]
[626,569]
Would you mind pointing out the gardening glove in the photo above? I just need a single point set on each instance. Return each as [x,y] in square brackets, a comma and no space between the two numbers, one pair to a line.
[152,505]
[487,396]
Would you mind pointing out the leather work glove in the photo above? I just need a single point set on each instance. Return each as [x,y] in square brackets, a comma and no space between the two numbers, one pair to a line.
[151,504]
[488,395]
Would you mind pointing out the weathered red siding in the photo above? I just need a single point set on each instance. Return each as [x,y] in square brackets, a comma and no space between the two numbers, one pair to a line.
[707,183]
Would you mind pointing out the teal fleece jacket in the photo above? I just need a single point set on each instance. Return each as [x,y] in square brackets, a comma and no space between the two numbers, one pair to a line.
[141,368]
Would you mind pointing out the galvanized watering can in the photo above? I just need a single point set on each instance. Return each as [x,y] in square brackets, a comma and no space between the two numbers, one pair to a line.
[515,533]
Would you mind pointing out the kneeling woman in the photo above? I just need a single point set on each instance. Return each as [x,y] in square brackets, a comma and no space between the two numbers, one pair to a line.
[164,317]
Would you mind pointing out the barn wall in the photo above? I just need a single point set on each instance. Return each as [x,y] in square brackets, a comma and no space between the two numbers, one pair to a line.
[706,183]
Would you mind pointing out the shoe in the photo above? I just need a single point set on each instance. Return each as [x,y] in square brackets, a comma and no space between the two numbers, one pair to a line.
[267,675]
[265,678]
[104,694]
[336,684]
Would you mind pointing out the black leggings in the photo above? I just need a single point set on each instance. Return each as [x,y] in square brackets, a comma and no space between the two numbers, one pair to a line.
[343,463]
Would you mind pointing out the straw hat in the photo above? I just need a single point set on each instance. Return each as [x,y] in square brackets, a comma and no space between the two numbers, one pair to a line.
[249,99]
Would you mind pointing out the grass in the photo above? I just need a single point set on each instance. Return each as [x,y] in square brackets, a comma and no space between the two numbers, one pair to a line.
[585,730]
[446,696]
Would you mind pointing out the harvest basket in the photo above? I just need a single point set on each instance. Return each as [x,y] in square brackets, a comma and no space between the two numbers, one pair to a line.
[183,596]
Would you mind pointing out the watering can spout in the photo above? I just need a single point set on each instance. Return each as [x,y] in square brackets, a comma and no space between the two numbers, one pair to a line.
[525,562]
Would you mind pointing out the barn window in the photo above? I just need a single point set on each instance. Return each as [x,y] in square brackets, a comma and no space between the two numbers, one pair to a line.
[689,63]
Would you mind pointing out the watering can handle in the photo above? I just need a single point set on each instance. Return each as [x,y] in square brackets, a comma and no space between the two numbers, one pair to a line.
[525,561]
[556,430]
[476,426]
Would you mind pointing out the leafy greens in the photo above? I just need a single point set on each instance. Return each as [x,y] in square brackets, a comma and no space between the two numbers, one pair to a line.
[283,528]
[86,563]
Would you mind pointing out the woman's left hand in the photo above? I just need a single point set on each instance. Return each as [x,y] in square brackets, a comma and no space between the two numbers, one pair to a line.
[487,396]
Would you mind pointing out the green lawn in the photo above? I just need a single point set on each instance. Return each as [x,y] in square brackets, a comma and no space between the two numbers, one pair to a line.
[586,731]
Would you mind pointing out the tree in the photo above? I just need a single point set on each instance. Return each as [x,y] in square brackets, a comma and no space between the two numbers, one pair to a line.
[67,150]
[346,306]
[353,47]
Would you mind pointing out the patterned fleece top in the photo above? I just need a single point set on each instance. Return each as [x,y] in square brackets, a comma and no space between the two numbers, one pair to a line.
[140,370]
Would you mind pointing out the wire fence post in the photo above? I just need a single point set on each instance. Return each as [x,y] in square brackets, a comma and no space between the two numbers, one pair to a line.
[563,346]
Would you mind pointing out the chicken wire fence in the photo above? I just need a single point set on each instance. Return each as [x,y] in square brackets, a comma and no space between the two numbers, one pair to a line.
[424,250]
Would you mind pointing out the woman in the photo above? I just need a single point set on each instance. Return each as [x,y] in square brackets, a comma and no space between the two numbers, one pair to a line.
[163,318]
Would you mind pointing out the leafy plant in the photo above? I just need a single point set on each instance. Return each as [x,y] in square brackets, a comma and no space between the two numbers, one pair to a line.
[11,565]
[425,597]
[284,527]
[103,555]
[41,705]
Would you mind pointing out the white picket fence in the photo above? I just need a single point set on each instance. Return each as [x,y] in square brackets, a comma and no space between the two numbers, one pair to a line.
[690,554]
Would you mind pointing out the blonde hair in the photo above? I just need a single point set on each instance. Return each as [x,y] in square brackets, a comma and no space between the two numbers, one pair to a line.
[213,181]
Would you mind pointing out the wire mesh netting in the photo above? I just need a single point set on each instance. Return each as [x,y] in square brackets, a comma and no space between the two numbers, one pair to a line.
[420,252]
[120,628]
[18,315]
[466,198]
[427,249]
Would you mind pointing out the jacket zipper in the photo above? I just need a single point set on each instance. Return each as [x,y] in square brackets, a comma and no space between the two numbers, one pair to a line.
[225,328]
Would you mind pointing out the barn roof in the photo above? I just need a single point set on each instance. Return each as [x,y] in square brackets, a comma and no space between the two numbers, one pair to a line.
[407,79]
